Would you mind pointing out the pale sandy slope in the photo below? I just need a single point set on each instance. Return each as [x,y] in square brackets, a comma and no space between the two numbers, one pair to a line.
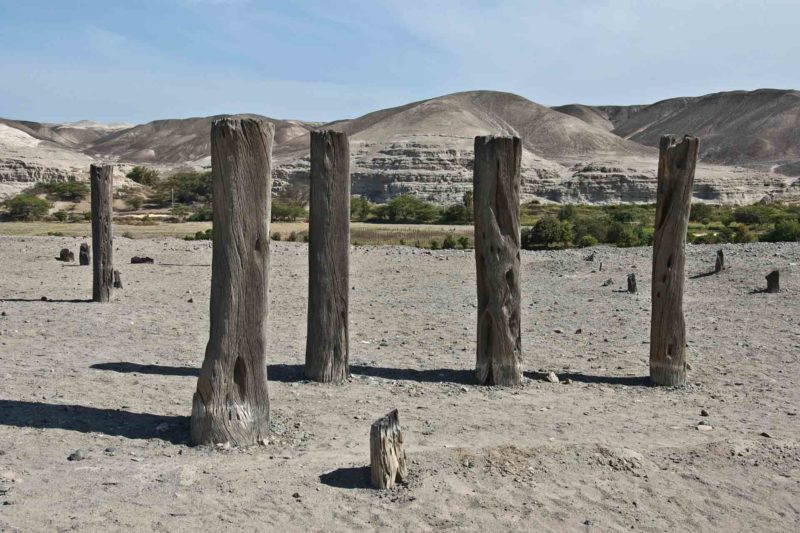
[604,453]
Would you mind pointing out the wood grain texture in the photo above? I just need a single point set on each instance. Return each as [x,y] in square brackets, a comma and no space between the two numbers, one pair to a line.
[232,401]
[387,455]
[496,185]
[676,166]
[327,339]
[101,178]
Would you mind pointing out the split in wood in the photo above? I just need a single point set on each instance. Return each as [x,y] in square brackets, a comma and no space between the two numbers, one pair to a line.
[676,166]
[387,456]
[231,403]
[496,186]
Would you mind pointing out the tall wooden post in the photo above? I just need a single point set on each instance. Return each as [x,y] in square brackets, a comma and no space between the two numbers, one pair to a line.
[232,402]
[101,177]
[327,339]
[676,165]
[496,184]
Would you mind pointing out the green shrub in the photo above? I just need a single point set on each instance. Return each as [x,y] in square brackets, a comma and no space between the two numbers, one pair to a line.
[434,244]
[784,231]
[461,213]
[292,237]
[463,242]
[594,225]
[567,212]
[284,212]
[206,235]
[134,202]
[625,235]
[586,241]
[202,213]
[406,210]
[186,187]
[61,215]
[545,232]
[449,242]
[742,234]
[144,175]
[701,212]
[276,236]
[67,191]
[757,214]
[27,207]
[359,209]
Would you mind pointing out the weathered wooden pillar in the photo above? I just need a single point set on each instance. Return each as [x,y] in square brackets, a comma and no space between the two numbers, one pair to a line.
[632,283]
[676,165]
[232,403]
[773,281]
[84,255]
[719,264]
[496,184]
[102,239]
[327,339]
[387,455]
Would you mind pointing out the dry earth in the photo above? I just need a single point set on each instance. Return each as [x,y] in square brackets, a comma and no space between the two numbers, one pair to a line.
[603,453]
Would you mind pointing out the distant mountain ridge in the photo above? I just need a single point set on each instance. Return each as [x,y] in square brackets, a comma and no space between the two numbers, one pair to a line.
[758,128]
[573,153]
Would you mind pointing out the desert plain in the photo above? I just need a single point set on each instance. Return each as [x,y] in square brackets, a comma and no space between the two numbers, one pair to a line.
[95,398]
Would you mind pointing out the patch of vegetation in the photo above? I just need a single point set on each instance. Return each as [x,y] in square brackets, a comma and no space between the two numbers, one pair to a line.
[66,191]
[26,207]
[144,175]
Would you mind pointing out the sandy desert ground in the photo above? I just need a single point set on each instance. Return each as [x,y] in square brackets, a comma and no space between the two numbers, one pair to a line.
[605,452]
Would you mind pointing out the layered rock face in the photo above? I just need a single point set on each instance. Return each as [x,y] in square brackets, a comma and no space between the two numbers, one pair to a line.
[573,154]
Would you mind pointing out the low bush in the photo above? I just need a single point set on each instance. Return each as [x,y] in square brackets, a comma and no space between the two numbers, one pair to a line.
[27,207]
[144,175]
[67,191]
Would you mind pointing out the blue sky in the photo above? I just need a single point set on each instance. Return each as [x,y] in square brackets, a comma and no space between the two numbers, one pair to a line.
[140,60]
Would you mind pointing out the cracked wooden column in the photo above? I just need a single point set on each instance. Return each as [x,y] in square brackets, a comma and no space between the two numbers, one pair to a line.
[327,339]
[101,178]
[676,165]
[496,184]
[231,404]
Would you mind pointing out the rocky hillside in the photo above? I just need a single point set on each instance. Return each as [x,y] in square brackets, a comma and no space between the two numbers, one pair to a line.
[760,129]
[572,153]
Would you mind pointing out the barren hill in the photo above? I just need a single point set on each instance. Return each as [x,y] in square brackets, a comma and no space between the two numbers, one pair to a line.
[754,128]
[425,148]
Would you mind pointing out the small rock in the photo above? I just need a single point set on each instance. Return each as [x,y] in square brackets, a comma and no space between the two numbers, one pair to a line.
[578,331]
[765,434]
[557,330]
[78,455]
[111,450]
[464,388]
[567,381]
[703,412]
[296,495]
[704,427]
[689,366]
[190,300]
[552,378]
[608,282]
[44,298]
